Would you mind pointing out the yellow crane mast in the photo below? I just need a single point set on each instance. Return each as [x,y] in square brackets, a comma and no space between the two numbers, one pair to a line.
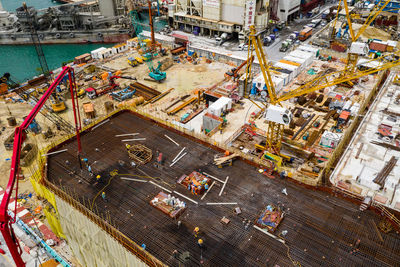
[353,55]
[278,116]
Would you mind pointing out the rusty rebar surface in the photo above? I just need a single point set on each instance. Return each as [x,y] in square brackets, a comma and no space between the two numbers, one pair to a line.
[322,229]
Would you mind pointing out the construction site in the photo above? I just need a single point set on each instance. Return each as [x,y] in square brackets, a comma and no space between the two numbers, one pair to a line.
[162,151]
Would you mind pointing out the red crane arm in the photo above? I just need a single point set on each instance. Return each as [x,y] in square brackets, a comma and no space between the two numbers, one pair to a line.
[19,138]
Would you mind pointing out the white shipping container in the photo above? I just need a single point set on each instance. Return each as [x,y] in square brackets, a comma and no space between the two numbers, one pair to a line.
[307,48]
[222,104]
[293,68]
[96,53]
[289,73]
[302,54]
[283,76]
[259,82]
[301,61]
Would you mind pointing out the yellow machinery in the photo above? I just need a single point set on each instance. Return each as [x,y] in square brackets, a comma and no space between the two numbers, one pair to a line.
[139,60]
[352,57]
[81,93]
[276,115]
[58,106]
[132,61]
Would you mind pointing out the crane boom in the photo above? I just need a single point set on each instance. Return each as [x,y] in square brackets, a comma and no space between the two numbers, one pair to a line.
[274,132]
[19,138]
[312,87]
[346,8]
[255,42]
[372,16]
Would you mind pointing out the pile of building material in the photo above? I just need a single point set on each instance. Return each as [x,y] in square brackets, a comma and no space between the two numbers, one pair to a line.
[270,218]
[384,173]
[168,204]
[196,182]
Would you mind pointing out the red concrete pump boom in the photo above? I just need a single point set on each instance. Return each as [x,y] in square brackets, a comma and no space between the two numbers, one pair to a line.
[6,220]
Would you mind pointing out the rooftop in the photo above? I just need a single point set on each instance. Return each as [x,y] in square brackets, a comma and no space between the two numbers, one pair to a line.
[322,229]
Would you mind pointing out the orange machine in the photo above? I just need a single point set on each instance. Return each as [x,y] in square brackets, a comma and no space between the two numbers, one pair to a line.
[196,182]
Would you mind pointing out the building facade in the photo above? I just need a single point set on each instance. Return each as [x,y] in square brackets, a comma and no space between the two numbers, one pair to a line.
[214,17]
[288,10]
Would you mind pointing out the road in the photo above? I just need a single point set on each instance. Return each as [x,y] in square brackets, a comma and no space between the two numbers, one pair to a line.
[272,51]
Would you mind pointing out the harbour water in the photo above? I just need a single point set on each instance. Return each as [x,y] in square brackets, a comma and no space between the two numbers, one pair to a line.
[11,5]
[22,61]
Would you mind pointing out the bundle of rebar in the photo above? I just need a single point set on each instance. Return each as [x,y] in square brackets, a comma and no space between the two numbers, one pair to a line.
[140,153]
[384,173]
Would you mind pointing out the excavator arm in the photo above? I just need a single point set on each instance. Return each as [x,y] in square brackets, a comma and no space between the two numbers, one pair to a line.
[6,220]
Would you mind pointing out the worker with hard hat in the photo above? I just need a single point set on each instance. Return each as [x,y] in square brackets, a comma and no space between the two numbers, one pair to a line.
[196,231]
[200,242]
[103,195]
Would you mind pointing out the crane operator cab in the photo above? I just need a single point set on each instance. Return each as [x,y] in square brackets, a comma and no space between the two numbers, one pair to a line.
[278,114]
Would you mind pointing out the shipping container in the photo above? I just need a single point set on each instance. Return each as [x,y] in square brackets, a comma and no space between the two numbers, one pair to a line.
[378,45]
[310,49]
[221,105]
[300,61]
[259,82]
[290,62]
[302,54]
[287,72]
[288,67]
[283,76]
[82,58]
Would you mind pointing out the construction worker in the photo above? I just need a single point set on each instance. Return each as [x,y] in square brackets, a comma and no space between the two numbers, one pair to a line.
[98,178]
[103,195]
[200,242]
[196,231]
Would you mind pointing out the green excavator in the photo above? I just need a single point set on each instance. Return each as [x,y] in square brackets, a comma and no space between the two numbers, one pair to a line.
[155,73]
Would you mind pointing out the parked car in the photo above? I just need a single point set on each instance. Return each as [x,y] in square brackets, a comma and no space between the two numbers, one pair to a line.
[243,46]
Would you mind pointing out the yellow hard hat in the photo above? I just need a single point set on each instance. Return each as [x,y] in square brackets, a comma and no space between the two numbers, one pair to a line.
[196,229]
[200,241]
[98,176]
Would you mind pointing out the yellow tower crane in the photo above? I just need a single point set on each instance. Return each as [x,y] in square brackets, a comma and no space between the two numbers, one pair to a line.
[278,116]
[354,52]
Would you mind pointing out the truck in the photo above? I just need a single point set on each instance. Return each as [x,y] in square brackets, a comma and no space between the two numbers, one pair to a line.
[223,38]
[132,61]
[305,34]
[267,41]
[316,22]
[93,93]
[285,46]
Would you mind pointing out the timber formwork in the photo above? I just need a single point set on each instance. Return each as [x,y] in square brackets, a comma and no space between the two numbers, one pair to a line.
[322,229]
